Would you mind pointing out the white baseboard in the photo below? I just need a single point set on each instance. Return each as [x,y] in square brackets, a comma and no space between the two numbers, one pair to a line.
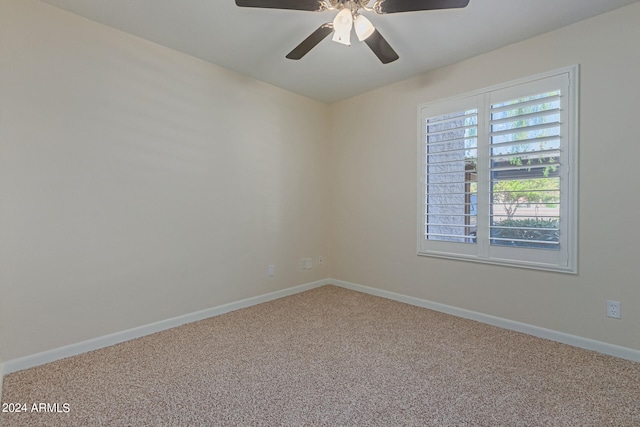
[38,359]
[573,340]
[26,362]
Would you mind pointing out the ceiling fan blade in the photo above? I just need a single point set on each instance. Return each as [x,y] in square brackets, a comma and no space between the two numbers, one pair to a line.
[381,48]
[310,5]
[395,6]
[310,42]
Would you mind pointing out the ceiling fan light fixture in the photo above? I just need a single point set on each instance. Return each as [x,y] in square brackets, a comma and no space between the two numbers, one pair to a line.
[364,28]
[342,24]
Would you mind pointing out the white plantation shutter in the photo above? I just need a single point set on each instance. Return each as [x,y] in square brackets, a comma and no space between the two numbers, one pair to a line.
[449,173]
[498,175]
[525,168]
[451,163]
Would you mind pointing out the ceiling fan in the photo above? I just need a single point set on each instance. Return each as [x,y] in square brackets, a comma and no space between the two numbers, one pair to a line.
[349,17]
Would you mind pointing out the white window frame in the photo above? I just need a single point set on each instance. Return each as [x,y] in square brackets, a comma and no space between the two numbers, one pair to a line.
[563,260]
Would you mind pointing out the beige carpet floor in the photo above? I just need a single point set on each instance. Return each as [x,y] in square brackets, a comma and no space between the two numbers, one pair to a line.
[333,357]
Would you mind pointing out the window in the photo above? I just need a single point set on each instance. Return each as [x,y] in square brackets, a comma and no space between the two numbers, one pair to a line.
[498,174]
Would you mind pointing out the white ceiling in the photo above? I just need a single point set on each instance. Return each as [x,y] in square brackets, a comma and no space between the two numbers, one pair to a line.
[255,41]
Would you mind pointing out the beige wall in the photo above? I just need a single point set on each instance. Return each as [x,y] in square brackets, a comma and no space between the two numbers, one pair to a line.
[138,184]
[373,207]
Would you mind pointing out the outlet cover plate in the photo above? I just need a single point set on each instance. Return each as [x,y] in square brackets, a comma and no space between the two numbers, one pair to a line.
[613,309]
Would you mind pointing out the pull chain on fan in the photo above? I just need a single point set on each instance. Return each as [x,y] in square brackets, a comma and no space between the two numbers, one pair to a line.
[349,18]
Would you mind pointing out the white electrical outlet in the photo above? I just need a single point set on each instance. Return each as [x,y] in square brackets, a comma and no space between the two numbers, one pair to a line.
[613,309]
[320,260]
[303,264]
[272,270]
[309,263]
